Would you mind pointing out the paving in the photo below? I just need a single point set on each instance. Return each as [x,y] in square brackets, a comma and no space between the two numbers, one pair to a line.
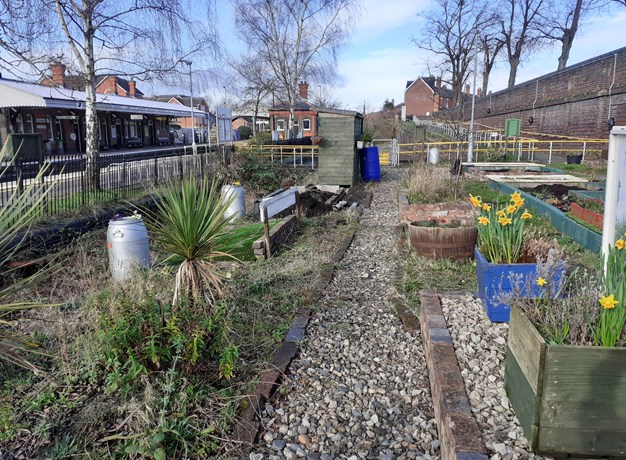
[359,387]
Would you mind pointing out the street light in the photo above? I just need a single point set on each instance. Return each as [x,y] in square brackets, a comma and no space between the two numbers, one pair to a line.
[193,121]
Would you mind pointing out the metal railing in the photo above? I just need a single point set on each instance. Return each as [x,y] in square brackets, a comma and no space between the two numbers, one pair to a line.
[547,151]
[69,184]
[297,155]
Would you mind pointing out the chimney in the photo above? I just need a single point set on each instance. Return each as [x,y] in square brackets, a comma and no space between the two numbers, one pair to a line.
[303,89]
[58,74]
[479,92]
[438,82]
[467,87]
[132,88]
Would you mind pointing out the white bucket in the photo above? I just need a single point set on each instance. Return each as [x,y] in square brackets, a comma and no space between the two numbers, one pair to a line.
[433,155]
[238,205]
[129,249]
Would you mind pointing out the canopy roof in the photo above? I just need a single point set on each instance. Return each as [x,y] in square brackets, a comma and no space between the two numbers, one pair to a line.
[15,93]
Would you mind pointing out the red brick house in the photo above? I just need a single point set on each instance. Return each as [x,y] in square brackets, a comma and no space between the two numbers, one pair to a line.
[305,116]
[425,96]
[201,115]
[105,84]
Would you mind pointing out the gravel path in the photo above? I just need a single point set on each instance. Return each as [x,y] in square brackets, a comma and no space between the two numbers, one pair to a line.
[359,388]
[480,348]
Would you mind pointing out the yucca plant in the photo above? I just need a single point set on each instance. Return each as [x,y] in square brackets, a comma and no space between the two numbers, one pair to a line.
[16,216]
[187,224]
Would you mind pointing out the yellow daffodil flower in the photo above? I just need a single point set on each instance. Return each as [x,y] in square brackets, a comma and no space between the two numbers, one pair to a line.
[483,220]
[608,302]
[486,207]
[475,200]
[526,215]
[504,221]
[620,244]
[501,213]
[519,203]
[541,281]
[510,209]
[516,197]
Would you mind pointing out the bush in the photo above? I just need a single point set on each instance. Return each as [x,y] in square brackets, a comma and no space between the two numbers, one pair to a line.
[244,132]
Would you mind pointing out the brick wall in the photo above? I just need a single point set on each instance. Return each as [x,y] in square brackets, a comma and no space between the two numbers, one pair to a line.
[419,100]
[108,86]
[573,102]
[280,234]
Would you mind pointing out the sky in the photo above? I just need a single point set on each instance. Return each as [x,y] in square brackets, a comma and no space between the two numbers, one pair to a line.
[381,56]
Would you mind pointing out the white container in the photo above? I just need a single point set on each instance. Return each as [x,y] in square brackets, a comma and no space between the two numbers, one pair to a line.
[433,155]
[129,249]
[238,205]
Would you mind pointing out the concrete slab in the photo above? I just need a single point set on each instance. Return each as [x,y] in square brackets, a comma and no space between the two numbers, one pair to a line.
[533,180]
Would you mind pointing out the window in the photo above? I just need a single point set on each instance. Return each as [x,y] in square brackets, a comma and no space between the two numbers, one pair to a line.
[29,123]
[49,130]
[280,125]
[19,124]
[306,124]
[296,123]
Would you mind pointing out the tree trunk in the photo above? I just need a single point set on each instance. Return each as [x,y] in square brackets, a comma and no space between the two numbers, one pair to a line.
[92,170]
[568,36]
[514,63]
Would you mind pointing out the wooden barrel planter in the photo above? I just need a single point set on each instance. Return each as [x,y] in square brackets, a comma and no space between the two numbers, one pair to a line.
[450,241]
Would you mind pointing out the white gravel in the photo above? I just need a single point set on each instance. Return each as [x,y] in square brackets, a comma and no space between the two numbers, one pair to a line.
[359,388]
[480,348]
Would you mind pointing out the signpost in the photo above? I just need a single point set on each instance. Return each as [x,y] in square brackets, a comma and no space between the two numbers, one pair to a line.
[615,194]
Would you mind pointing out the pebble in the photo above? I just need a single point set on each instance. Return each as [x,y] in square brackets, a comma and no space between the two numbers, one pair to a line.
[359,388]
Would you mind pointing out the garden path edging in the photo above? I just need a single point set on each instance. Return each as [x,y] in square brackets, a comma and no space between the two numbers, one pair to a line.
[459,433]
[248,424]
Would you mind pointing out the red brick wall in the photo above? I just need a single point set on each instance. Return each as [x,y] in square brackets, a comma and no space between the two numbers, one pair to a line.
[299,115]
[573,102]
[419,100]
[108,86]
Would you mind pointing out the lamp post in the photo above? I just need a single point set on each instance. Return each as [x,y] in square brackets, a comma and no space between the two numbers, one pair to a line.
[193,121]
[470,144]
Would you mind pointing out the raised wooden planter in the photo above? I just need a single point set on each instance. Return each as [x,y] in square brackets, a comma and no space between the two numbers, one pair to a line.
[593,218]
[455,242]
[570,400]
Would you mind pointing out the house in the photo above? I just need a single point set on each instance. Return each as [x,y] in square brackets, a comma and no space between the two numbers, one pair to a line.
[105,84]
[305,116]
[58,114]
[202,118]
[425,96]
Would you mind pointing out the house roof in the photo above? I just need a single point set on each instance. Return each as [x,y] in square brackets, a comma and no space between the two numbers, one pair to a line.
[300,106]
[14,93]
[431,82]
[121,82]
[182,99]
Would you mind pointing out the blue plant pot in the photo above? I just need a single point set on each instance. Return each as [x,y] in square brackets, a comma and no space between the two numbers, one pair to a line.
[497,279]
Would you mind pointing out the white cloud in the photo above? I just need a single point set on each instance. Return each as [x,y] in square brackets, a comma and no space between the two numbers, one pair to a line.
[377,17]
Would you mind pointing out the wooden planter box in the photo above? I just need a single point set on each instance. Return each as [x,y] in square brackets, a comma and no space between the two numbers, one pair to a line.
[593,218]
[443,242]
[495,279]
[570,400]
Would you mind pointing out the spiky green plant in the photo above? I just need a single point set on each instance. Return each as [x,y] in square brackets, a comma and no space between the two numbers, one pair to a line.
[16,216]
[187,224]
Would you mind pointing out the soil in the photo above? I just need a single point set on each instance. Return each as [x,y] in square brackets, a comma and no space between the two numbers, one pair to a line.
[555,194]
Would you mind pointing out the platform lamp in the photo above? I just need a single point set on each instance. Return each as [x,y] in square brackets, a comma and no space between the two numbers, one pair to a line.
[193,121]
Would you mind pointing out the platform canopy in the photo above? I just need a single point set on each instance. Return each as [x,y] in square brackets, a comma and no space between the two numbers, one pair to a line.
[15,94]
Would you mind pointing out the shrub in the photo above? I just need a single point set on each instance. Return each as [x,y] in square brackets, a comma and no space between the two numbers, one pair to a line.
[429,184]
[244,132]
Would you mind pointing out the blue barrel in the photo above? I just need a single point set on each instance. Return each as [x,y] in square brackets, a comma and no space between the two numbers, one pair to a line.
[370,164]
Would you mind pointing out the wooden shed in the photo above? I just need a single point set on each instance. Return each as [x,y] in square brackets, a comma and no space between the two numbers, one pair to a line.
[338,157]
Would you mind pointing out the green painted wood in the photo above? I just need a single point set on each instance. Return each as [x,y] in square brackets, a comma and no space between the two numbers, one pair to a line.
[521,396]
[527,347]
[583,415]
[598,443]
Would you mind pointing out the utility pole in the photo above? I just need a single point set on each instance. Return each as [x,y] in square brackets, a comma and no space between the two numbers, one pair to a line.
[470,144]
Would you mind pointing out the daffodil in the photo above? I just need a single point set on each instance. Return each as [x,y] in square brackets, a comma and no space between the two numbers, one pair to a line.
[486,207]
[620,244]
[608,302]
[516,197]
[526,215]
[510,209]
[475,200]
[483,220]
[519,203]
[541,281]
[504,221]
[501,213]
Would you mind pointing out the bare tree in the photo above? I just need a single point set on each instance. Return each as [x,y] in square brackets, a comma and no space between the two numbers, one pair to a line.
[296,39]
[521,26]
[451,30]
[491,45]
[143,38]
[257,83]
[563,20]
[324,98]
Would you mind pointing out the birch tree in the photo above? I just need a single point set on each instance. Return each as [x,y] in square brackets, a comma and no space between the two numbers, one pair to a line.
[144,39]
[294,39]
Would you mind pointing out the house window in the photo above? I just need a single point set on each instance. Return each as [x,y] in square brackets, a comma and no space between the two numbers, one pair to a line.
[306,124]
[29,123]
[296,123]
[19,124]
[280,125]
